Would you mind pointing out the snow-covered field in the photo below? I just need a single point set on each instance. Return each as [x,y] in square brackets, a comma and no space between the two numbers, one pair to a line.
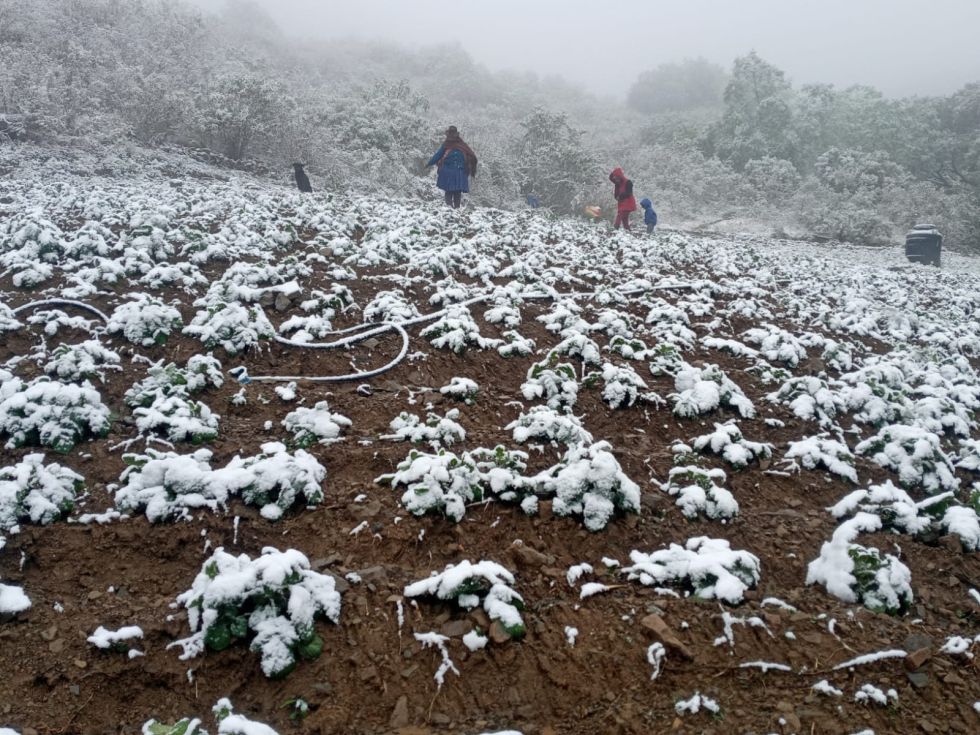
[581,480]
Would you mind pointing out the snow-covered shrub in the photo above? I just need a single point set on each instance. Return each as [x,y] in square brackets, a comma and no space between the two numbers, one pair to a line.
[456,331]
[13,600]
[870,693]
[810,398]
[896,509]
[727,440]
[541,422]
[389,306]
[822,451]
[275,599]
[168,380]
[564,317]
[706,389]
[232,326]
[177,419]
[466,583]
[589,482]
[964,521]
[577,345]
[275,480]
[855,573]
[630,348]
[311,425]
[777,344]
[969,455]
[437,430]
[168,486]
[554,382]
[624,387]
[502,473]
[230,723]
[731,346]
[48,413]
[915,454]
[85,361]
[697,494]
[33,491]
[144,320]
[515,345]
[462,389]
[665,359]
[708,567]
[437,483]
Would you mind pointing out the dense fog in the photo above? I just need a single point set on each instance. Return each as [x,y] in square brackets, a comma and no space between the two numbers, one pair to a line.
[759,116]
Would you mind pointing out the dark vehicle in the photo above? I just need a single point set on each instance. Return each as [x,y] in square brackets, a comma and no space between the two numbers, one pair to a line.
[923,244]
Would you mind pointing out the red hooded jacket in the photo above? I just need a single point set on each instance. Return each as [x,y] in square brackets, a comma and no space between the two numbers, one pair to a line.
[623,191]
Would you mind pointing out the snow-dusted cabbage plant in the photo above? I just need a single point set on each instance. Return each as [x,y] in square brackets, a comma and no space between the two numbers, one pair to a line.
[777,344]
[706,389]
[466,583]
[541,422]
[698,494]
[144,320]
[727,440]
[318,424]
[456,330]
[84,361]
[232,326]
[822,451]
[274,600]
[49,413]
[707,567]
[436,431]
[915,454]
[35,492]
[810,398]
[553,381]
[462,389]
[589,482]
[855,573]
[440,483]
[624,387]
[275,480]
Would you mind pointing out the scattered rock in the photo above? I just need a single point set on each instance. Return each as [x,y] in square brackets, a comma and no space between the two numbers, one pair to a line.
[656,625]
[282,302]
[375,575]
[50,633]
[525,557]
[94,595]
[917,659]
[951,542]
[456,628]
[915,641]
[498,634]
[399,715]
[363,511]
[918,679]
[56,646]
[368,673]
[323,687]
[81,663]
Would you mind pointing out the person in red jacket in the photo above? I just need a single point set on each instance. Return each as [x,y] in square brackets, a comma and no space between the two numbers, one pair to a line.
[626,202]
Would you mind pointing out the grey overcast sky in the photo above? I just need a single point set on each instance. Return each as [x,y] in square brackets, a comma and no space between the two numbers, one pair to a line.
[903,47]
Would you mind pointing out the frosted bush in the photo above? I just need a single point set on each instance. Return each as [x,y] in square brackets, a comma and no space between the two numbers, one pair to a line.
[810,398]
[624,387]
[462,389]
[275,480]
[708,567]
[589,482]
[896,509]
[698,494]
[8,322]
[230,723]
[436,483]
[162,380]
[33,491]
[541,422]
[515,345]
[456,331]
[630,348]
[964,521]
[274,599]
[665,359]
[144,320]
[437,430]
[731,346]
[854,573]
[177,419]
[915,454]
[231,326]
[706,389]
[168,486]
[48,413]
[84,361]
[502,474]
[777,344]
[577,345]
[554,382]
[318,424]
[727,440]
[389,306]
[564,317]
[821,451]
[466,583]
[969,455]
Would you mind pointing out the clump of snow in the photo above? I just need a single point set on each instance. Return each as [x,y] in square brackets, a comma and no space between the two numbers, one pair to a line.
[869,693]
[855,573]
[312,425]
[466,582]
[708,567]
[275,599]
[439,642]
[33,491]
[230,723]
[105,639]
[462,389]
[12,600]
[695,704]
[230,325]
[624,387]
[456,331]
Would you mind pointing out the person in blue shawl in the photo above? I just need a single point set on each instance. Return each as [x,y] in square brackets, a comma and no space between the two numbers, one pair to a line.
[456,162]
[649,216]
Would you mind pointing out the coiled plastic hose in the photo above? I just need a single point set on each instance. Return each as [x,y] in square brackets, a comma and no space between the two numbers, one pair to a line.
[366,332]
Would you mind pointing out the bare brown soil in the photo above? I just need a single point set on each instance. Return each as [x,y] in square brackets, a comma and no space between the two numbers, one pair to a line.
[373,677]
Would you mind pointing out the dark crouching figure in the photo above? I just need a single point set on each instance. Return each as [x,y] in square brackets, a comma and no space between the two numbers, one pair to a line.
[625,201]
[302,180]
[456,162]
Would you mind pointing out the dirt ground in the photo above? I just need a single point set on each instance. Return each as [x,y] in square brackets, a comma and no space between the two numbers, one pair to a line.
[374,677]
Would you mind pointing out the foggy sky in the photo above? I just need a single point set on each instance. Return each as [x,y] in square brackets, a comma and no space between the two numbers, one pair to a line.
[902,47]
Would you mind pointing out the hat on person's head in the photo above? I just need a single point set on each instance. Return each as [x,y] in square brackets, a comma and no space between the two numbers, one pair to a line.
[452,132]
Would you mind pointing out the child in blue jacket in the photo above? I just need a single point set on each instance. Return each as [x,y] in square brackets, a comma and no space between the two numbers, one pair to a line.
[649,216]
